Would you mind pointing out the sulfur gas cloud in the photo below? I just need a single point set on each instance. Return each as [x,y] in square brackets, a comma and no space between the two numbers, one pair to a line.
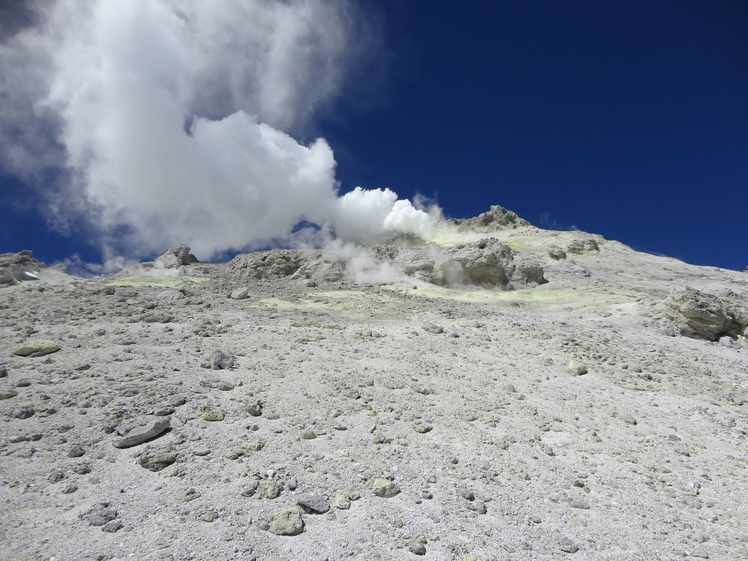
[154,122]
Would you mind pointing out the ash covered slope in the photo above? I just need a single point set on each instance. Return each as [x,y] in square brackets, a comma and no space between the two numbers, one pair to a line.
[385,402]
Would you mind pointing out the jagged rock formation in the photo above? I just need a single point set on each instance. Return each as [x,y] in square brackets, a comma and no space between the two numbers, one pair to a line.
[495,219]
[174,257]
[18,267]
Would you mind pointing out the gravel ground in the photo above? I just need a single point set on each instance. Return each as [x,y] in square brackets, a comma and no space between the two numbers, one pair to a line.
[330,421]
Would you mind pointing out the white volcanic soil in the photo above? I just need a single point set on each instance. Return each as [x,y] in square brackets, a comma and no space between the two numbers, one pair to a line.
[497,449]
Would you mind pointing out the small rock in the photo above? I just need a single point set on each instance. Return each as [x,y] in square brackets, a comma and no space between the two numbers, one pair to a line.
[158,317]
[240,293]
[433,328]
[209,516]
[76,451]
[352,393]
[177,400]
[576,503]
[576,368]
[254,445]
[70,488]
[112,527]
[255,409]
[156,461]
[417,545]
[222,361]
[213,415]
[341,501]
[32,346]
[3,372]
[567,546]
[385,488]
[478,507]
[6,393]
[267,489]
[466,494]
[628,419]
[308,435]
[100,515]
[313,504]
[201,451]
[422,428]
[56,476]
[25,412]
[287,522]
[556,252]
[171,295]
[141,430]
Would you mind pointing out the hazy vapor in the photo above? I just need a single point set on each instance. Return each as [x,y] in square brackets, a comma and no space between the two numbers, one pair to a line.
[169,121]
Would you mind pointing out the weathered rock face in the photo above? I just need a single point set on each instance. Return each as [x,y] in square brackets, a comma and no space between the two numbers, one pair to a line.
[583,246]
[496,218]
[273,264]
[175,256]
[487,263]
[704,316]
[17,267]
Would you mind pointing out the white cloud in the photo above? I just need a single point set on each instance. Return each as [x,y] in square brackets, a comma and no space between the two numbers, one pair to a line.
[163,122]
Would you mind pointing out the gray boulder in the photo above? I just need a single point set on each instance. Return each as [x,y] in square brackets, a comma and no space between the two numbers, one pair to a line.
[175,256]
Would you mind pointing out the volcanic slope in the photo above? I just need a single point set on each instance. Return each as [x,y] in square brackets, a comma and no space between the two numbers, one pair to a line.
[282,410]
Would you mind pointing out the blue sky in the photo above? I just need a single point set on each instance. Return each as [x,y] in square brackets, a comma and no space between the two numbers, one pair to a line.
[627,119]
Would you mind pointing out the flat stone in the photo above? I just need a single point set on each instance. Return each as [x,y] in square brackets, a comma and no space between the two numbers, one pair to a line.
[213,415]
[32,346]
[142,430]
[313,504]
[254,445]
[7,393]
[156,461]
[287,522]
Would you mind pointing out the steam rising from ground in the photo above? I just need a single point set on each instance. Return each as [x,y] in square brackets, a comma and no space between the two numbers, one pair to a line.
[162,122]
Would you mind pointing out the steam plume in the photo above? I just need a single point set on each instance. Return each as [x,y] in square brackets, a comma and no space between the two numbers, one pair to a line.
[170,121]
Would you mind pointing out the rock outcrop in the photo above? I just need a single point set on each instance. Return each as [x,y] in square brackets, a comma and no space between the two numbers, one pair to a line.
[175,256]
[18,267]
[700,315]
[495,219]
